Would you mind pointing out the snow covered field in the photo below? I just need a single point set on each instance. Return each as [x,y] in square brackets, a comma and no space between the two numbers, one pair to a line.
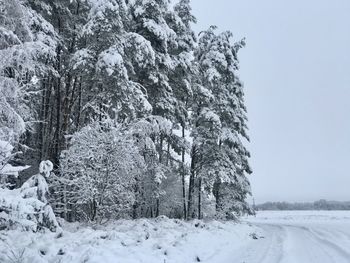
[285,237]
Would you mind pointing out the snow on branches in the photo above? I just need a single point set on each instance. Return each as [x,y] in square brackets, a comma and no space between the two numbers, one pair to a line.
[27,207]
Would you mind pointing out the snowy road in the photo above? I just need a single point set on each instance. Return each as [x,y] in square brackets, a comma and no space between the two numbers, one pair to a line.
[297,240]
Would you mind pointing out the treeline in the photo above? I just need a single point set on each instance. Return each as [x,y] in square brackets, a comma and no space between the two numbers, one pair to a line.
[317,205]
[139,115]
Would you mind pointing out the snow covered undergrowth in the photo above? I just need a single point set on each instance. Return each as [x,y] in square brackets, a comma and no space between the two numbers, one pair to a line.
[159,240]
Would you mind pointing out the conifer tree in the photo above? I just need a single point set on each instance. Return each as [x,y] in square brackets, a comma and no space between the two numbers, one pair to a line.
[27,43]
[221,124]
[181,77]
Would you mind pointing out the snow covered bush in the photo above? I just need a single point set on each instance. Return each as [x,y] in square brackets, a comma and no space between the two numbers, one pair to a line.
[6,169]
[27,207]
[99,171]
[5,155]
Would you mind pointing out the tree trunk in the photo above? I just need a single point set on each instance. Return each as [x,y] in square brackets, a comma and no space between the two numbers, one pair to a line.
[58,98]
[168,155]
[191,184]
[47,123]
[183,177]
[199,197]
[216,193]
[42,118]
[65,210]
[79,104]
[157,207]
[161,140]
[58,121]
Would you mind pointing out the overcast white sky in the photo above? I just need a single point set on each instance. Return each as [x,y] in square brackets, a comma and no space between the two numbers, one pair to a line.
[296,70]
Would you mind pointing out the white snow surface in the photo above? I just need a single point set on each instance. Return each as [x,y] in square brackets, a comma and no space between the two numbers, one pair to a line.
[159,240]
[285,237]
[300,237]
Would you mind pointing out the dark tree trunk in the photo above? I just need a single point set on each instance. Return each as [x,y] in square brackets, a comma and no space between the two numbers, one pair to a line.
[58,121]
[46,121]
[79,104]
[168,155]
[216,193]
[191,184]
[42,118]
[199,197]
[58,98]
[183,177]
[157,207]
[161,140]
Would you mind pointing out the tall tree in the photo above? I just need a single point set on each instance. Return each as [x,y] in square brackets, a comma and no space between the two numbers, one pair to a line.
[27,43]
[181,77]
[221,124]
[149,19]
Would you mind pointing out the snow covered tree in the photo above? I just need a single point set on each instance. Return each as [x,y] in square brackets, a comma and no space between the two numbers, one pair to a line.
[61,89]
[99,170]
[181,77]
[146,134]
[105,61]
[27,43]
[220,156]
[167,82]
[149,20]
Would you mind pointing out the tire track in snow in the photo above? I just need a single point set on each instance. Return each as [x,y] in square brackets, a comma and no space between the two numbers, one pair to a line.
[303,247]
[285,243]
[325,243]
[334,234]
[266,249]
[275,245]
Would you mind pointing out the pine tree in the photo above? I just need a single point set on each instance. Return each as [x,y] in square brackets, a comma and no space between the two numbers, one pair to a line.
[149,20]
[181,78]
[220,125]
[27,42]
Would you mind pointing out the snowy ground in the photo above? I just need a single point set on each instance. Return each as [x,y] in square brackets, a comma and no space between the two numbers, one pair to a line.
[300,237]
[285,237]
